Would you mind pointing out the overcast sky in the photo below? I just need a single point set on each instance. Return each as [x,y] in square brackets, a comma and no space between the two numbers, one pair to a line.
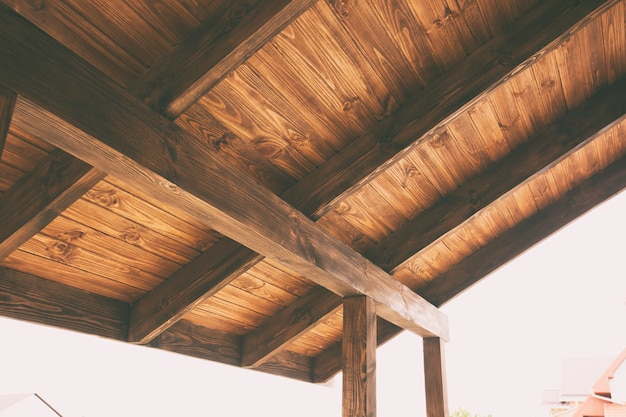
[566,297]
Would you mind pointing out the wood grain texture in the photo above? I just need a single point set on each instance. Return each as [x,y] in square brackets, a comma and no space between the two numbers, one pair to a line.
[27,297]
[217,47]
[546,147]
[37,198]
[276,333]
[163,161]
[358,357]
[186,338]
[455,92]
[7,102]
[435,378]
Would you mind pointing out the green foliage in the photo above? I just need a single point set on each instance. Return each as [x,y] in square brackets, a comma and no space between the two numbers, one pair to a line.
[461,412]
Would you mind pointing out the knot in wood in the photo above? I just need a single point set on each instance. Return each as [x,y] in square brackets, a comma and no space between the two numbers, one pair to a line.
[131,236]
[548,84]
[505,58]
[104,198]
[237,14]
[61,251]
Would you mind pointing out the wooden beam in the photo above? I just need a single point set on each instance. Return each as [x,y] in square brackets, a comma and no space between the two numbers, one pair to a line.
[550,144]
[222,43]
[7,102]
[208,273]
[498,252]
[358,357]
[38,300]
[278,331]
[529,38]
[435,378]
[41,195]
[189,339]
[303,195]
[123,137]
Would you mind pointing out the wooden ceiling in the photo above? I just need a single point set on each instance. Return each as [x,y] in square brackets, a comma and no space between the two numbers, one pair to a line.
[212,179]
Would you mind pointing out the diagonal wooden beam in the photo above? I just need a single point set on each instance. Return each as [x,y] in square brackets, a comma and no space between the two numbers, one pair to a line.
[541,30]
[123,137]
[40,196]
[315,194]
[7,102]
[539,152]
[222,43]
[34,299]
[506,247]
[278,331]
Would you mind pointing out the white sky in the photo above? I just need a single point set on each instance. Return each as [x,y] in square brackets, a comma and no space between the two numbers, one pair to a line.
[509,335]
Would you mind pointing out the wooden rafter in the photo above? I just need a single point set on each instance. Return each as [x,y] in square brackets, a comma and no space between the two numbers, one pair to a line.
[41,195]
[453,93]
[146,150]
[216,48]
[503,249]
[7,102]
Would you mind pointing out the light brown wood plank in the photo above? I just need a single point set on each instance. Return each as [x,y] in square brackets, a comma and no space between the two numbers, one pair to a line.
[614,39]
[7,102]
[435,378]
[27,297]
[21,154]
[139,137]
[38,197]
[217,47]
[358,357]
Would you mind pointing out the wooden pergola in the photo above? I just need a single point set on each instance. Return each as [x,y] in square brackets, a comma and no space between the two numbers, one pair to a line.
[285,185]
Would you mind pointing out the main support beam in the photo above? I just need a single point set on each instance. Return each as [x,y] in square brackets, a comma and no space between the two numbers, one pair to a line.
[7,102]
[358,357]
[506,247]
[39,196]
[122,136]
[435,378]
[235,32]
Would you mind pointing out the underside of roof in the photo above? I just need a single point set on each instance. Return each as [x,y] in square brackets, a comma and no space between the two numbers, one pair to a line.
[214,177]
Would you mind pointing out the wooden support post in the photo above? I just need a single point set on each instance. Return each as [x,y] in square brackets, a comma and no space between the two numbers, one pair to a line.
[359,357]
[435,376]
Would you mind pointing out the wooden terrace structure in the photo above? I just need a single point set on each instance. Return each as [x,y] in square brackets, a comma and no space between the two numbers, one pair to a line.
[283,185]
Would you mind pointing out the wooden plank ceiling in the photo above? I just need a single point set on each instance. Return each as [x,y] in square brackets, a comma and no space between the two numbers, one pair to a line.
[211,179]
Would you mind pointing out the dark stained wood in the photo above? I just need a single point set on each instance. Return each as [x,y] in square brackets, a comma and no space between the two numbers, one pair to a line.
[148,151]
[190,286]
[281,329]
[435,378]
[358,357]
[7,102]
[38,197]
[30,298]
[218,46]
[529,38]
[189,339]
[549,145]
[503,249]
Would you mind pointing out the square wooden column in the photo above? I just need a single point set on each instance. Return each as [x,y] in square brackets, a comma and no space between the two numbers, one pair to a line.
[359,357]
[435,378]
